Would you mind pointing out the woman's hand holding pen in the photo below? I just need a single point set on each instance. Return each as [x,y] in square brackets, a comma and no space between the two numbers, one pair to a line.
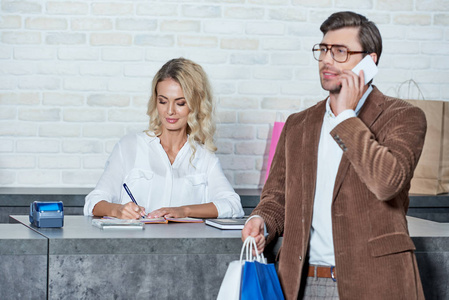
[133,207]
[122,211]
[130,211]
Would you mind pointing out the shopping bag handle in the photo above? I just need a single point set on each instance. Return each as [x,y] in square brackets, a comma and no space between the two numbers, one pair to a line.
[248,246]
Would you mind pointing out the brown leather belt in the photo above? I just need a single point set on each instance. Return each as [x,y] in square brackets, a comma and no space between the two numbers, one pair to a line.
[322,272]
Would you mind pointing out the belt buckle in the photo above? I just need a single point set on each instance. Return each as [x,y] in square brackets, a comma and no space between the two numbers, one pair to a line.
[333,274]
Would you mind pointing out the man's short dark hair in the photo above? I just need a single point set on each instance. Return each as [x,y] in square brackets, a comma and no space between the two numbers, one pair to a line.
[369,35]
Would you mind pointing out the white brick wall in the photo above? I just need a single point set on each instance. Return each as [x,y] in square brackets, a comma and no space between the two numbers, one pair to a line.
[75,75]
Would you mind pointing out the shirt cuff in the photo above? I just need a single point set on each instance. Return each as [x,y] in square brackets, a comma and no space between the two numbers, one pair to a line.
[228,208]
[343,116]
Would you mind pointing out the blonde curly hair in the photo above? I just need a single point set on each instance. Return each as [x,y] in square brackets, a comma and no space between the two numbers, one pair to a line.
[198,94]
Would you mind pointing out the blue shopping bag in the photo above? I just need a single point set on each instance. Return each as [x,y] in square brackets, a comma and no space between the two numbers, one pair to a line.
[260,282]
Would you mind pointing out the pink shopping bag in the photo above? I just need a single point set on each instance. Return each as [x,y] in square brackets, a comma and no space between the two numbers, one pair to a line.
[277,129]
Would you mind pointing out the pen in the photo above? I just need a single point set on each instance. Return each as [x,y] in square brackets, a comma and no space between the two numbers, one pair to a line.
[130,195]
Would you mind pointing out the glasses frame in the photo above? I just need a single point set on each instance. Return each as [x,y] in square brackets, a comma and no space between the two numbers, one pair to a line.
[329,48]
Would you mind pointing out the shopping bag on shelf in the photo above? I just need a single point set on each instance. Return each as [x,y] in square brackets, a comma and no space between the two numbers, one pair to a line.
[277,129]
[276,133]
[230,286]
[431,175]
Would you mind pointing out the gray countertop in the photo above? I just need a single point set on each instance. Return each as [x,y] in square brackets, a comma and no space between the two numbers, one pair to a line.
[425,228]
[80,227]
[429,236]
[79,236]
[16,239]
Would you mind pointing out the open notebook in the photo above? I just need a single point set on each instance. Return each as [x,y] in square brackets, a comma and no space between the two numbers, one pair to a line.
[162,220]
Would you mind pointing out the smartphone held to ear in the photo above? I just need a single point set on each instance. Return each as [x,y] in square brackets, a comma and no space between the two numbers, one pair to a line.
[368,66]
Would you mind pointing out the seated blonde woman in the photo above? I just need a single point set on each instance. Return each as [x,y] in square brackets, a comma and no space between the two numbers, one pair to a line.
[170,169]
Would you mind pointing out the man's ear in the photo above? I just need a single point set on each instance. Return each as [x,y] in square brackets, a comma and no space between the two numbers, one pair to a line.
[374,57]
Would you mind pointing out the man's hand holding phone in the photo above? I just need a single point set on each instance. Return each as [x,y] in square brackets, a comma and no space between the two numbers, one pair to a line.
[353,84]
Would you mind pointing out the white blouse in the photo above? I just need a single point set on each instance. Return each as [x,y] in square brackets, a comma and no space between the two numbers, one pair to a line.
[140,161]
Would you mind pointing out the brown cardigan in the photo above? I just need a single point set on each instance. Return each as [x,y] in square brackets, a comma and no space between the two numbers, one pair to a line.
[373,250]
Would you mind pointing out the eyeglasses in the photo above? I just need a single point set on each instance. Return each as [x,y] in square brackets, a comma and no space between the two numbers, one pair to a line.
[338,52]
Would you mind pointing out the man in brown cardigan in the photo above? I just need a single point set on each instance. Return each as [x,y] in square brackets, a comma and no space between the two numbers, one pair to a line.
[338,186]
